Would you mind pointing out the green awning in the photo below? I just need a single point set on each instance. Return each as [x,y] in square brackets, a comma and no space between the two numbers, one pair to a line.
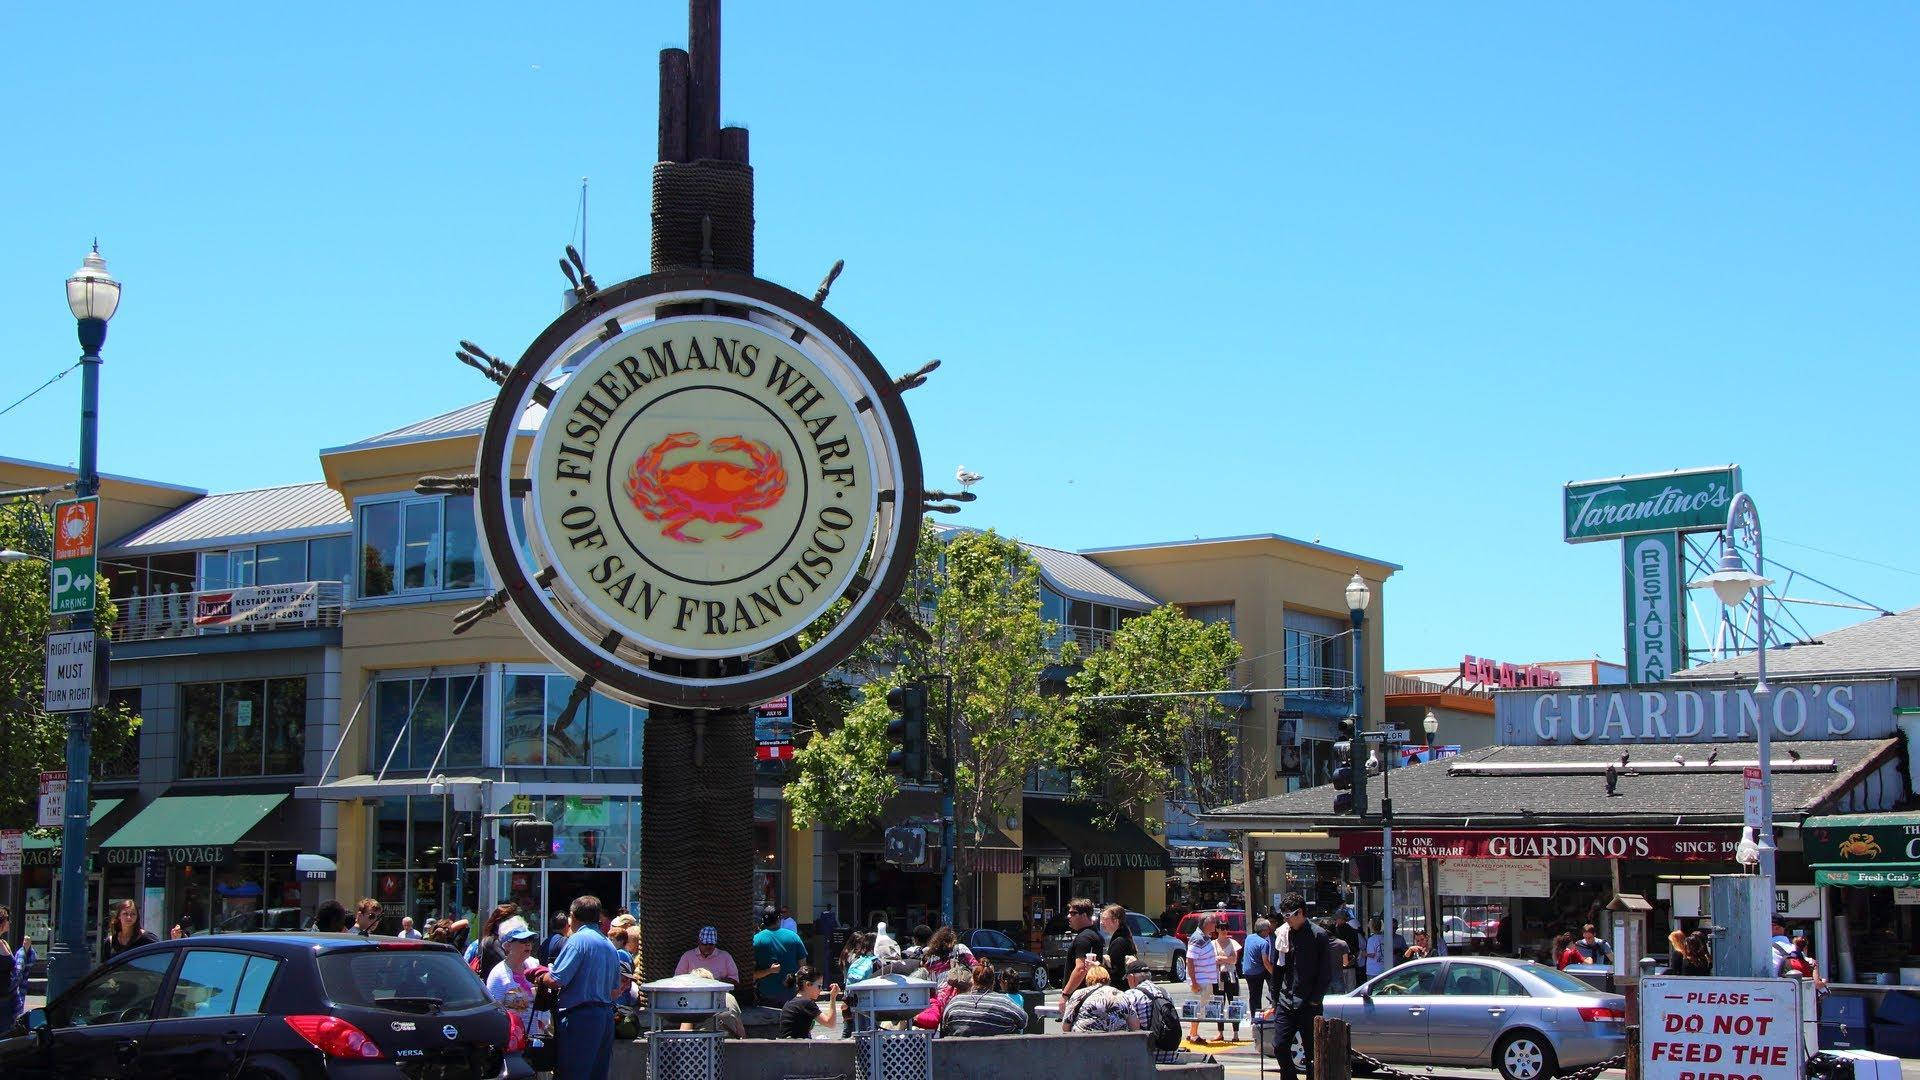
[1875,850]
[1093,845]
[194,828]
[101,808]
[1890,819]
[1886,879]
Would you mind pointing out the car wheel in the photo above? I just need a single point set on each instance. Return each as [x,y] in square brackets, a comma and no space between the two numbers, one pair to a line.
[1040,979]
[1300,1054]
[1179,967]
[1524,1055]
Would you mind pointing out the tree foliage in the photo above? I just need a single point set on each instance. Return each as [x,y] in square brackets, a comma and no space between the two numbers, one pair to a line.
[1180,745]
[31,740]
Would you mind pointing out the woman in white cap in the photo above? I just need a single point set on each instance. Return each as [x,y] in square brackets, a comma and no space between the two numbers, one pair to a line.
[507,983]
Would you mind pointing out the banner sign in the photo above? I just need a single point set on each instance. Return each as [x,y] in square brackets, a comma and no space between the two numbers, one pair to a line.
[1694,712]
[1480,671]
[1493,877]
[1738,1029]
[258,605]
[773,729]
[1675,845]
[74,565]
[1860,851]
[69,679]
[1693,500]
[1286,742]
[1652,567]
[1420,755]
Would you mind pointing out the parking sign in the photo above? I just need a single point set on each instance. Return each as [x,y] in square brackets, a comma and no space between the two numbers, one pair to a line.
[74,566]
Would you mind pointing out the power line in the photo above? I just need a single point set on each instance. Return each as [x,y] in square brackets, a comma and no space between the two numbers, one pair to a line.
[37,389]
[1849,558]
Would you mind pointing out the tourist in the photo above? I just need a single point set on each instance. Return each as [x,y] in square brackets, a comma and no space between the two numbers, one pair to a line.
[707,954]
[1120,947]
[1256,963]
[957,980]
[555,940]
[407,931]
[489,950]
[980,1009]
[801,1011]
[944,952]
[1203,970]
[787,921]
[507,982]
[1227,989]
[1097,1006]
[1302,988]
[1798,964]
[777,955]
[330,917]
[125,931]
[1087,946]
[1343,969]
[15,964]
[1142,991]
[1592,949]
[587,974]
[1699,953]
[1676,951]
[1421,948]
[366,916]
[727,1021]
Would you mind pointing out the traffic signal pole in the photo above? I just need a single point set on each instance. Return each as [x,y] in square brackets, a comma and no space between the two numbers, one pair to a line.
[946,818]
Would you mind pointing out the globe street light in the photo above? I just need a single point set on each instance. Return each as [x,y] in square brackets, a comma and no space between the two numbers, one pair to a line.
[93,296]
[1431,725]
[1358,597]
[1732,582]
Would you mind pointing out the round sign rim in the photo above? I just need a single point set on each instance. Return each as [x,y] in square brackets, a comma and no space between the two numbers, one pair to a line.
[712,685]
[866,511]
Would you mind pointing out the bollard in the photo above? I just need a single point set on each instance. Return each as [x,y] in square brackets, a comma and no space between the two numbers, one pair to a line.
[1332,1049]
[1633,1052]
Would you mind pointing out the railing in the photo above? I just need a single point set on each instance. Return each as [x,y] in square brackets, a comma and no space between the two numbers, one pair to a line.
[1329,683]
[1089,638]
[302,605]
[1406,684]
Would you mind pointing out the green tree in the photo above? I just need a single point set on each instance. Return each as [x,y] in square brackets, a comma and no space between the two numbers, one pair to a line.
[31,740]
[1136,700]
[978,595]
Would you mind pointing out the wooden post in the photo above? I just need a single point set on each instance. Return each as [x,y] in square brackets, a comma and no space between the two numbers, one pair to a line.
[733,144]
[673,104]
[1332,1050]
[1633,1052]
[703,97]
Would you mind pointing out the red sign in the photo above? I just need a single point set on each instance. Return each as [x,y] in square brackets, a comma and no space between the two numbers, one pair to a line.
[73,529]
[1678,845]
[774,752]
[1479,671]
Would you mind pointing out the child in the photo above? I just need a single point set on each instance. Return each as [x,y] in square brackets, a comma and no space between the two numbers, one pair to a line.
[802,1011]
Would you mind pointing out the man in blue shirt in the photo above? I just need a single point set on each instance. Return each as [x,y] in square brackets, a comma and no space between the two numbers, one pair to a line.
[1256,962]
[588,972]
[777,955]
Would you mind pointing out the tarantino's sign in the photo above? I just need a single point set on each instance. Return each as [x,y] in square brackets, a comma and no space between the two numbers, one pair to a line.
[1686,845]
[1695,499]
[703,485]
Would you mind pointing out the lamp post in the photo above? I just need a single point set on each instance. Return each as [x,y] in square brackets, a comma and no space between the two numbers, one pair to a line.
[1358,597]
[1731,583]
[1431,725]
[92,296]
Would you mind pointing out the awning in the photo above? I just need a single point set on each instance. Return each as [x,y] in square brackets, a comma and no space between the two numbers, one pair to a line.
[193,828]
[1875,850]
[1092,845]
[314,867]
[464,790]
[45,850]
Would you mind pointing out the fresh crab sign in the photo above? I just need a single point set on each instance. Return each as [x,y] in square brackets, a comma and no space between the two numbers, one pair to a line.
[717,462]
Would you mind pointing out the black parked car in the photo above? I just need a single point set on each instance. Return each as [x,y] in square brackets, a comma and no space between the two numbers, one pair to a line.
[278,1006]
[1005,954]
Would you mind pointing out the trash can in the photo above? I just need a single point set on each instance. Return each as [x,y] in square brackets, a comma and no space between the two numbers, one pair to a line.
[1598,976]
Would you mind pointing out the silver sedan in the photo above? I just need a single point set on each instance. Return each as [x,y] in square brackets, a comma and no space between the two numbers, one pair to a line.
[1528,1021]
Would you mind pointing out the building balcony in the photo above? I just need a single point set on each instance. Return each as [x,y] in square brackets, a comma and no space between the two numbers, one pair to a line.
[301,605]
[1088,638]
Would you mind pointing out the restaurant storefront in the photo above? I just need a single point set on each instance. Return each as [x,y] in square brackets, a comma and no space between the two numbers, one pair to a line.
[1871,866]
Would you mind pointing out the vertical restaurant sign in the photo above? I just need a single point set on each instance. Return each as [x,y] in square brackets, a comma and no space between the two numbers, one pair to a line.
[1656,613]
[1690,500]
[75,569]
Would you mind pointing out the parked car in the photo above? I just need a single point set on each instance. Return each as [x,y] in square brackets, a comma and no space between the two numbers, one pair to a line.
[1006,954]
[280,918]
[1458,931]
[271,1005]
[1234,922]
[1162,951]
[1526,1020]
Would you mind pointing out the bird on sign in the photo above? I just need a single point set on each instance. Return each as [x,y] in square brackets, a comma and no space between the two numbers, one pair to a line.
[966,479]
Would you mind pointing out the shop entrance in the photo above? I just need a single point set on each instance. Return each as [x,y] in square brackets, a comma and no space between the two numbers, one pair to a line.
[565,886]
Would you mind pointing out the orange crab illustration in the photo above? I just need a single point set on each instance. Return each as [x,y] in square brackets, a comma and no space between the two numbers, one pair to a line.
[1859,845]
[711,489]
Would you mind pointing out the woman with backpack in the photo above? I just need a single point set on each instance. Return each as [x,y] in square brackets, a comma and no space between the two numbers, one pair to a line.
[857,963]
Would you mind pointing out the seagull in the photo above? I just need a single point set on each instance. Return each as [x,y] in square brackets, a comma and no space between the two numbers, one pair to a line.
[1623,758]
[967,479]
[1679,759]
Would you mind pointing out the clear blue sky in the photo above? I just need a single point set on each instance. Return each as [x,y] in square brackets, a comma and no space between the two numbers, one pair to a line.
[1385,276]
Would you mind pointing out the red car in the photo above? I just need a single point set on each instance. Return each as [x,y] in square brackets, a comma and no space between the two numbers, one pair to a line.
[1234,920]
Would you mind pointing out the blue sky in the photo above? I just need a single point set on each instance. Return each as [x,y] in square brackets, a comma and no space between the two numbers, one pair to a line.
[1387,277]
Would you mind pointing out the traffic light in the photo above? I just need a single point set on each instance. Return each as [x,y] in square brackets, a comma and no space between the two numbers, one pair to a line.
[532,839]
[1349,772]
[907,731]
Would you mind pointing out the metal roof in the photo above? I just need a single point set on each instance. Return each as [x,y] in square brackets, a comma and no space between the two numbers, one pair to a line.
[465,420]
[277,513]
[50,467]
[1249,538]
[1074,575]
[1883,645]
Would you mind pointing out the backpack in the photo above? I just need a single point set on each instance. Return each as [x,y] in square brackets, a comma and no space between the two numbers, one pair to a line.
[1163,1023]
[860,969]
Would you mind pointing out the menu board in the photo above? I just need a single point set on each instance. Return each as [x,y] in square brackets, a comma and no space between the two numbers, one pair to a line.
[1493,877]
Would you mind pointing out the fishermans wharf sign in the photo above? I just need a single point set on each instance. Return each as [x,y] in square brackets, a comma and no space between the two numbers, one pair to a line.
[1688,501]
[1694,712]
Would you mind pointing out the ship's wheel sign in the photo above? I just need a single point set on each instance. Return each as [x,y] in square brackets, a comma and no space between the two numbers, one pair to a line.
[700,487]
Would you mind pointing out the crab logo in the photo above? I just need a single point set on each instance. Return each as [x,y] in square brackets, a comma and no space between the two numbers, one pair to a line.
[715,490]
[1860,845]
[75,528]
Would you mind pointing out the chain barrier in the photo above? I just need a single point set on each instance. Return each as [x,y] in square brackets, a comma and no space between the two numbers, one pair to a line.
[1372,1066]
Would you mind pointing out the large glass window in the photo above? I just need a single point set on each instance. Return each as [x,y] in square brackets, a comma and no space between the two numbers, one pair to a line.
[535,731]
[418,545]
[231,568]
[1317,651]
[379,536]
[329,558]
[412,717]
[462,545]
[252,727]
[283,563]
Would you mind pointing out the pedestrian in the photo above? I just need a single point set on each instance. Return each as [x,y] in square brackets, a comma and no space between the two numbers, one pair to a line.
[1421,948]
[1120,947]
[787,921]
[587,974]
[507,982]
[1141,994]
[801,1011]
[1699,953]
[1779,949]
[556,939]
[366,916]
[957,980]
[1344,929]
[1303,983]
[1087,946]
[857,962]
[777,954]
[1799,964]
[407,931]
[125,931]
[1203,971]
[982,1009]
[944,952]
[706,954]
[14,964]
[1377,953]
[1256,960]
[727,1021]
[1097,1006]
[1563,951]
[1594,950]
[1676,951]
[1343,970]
[1227,989]
[330,917]
[628,994]
[826,925]
[490,949]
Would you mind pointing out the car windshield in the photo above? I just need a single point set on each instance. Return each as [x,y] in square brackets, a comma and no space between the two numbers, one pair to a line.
[370,977]
[1559,980]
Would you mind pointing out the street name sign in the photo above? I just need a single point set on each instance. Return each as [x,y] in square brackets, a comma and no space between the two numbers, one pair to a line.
[69,686]
[1720,1029]
[74,567]
[1691,500]
[1392,734]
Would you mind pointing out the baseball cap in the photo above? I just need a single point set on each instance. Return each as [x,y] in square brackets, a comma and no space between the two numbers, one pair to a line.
[518,933]
[1137,966]
[708,936]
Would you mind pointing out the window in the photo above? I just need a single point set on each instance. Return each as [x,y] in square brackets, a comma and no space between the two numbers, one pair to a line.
[1210,613]
[118,995]
[214,982]
[1478,980]
[601,732]
[329,558]
[411,719]
[231,568]
[255,727]
[1407,981]
[1317,650]
[280,564]
[364,978]
[418,545]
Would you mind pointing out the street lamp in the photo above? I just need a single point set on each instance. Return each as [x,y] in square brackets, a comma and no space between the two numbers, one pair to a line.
[93,296]
[1358,597]
[1732,582]
[1431,725]
[9,556]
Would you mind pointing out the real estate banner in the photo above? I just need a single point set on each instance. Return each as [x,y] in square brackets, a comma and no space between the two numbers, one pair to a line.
[258,604]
